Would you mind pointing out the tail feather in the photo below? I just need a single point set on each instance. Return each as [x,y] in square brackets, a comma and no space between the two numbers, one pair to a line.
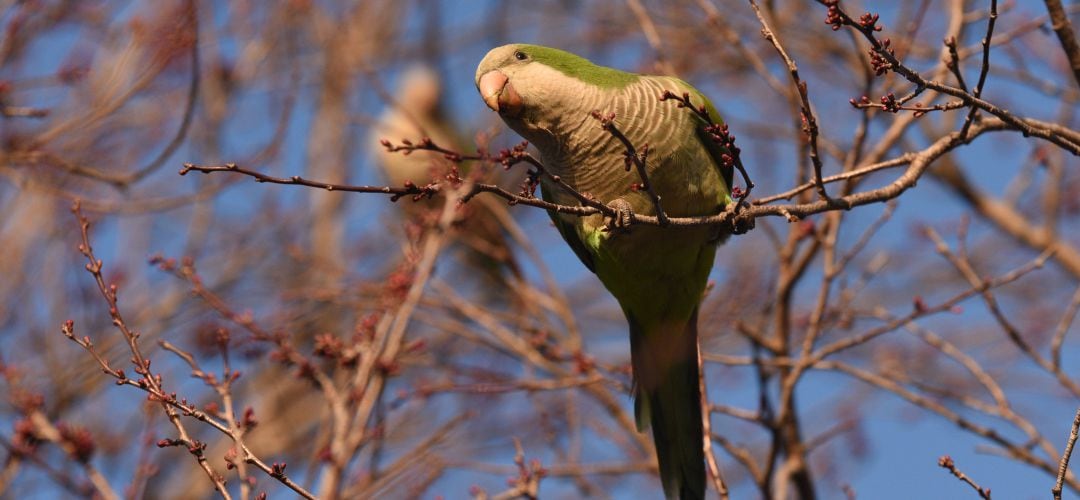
[668,398]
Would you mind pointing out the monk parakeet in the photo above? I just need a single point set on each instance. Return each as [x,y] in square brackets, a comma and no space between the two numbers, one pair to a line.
[418,114]
[658,275]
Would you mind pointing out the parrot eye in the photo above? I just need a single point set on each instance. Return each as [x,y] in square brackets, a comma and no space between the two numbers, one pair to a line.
[519,55]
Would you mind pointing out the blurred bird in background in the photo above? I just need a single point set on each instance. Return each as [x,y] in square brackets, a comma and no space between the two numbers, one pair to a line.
[481,224]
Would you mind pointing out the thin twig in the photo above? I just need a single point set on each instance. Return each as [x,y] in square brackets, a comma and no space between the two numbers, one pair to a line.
[1063,465]
[151,383]
[1063,328]
[885,60]
[953,63]
[636,159]
[903,159]
[966,270]
[719,134]
[810,125]
[706,422]
[977,92]
[946,462]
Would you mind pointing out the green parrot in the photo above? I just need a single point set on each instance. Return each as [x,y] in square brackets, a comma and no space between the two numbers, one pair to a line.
[657,274]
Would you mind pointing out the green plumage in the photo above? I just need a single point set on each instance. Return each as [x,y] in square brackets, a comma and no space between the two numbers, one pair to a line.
[578,67]
[658,275]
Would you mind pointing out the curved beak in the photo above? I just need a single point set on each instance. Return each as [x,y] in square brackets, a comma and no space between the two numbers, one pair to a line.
[491,86]
[498,93]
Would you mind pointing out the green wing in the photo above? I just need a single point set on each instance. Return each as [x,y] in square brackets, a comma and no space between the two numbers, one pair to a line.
[715,150]
[570,234]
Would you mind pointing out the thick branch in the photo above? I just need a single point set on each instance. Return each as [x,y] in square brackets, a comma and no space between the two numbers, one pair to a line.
[1059,20]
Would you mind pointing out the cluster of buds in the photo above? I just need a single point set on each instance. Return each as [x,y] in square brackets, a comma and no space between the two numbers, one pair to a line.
[889,103]
[453,176]
[163,263]
[248,421]
[508,157]
[529,474]
[861,102]
[869,22]
[79,442]
[365,328]
[231,456]
[833,16]
[399,282]
[720,134]
[426,191]
[529,185]
[717,132]
[285,353]
[277,470]
[331,347]
[878,61]
[605,119]
[195,448]
[388,367]
[583,363]
[327,345]
[25,440]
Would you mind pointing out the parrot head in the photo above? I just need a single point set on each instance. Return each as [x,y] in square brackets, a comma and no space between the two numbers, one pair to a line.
[421,90]
[497,74]
[531,86]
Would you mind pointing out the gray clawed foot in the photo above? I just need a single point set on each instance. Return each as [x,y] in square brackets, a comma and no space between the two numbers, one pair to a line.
[743,225]
[624,216]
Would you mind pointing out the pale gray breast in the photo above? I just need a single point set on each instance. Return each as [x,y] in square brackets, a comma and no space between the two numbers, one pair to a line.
[591,159]
[648,120]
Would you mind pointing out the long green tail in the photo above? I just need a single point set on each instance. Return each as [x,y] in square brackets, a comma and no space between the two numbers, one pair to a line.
[667,397]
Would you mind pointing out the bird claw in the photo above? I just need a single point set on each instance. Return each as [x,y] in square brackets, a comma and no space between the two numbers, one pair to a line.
[742,225]
[624,216]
